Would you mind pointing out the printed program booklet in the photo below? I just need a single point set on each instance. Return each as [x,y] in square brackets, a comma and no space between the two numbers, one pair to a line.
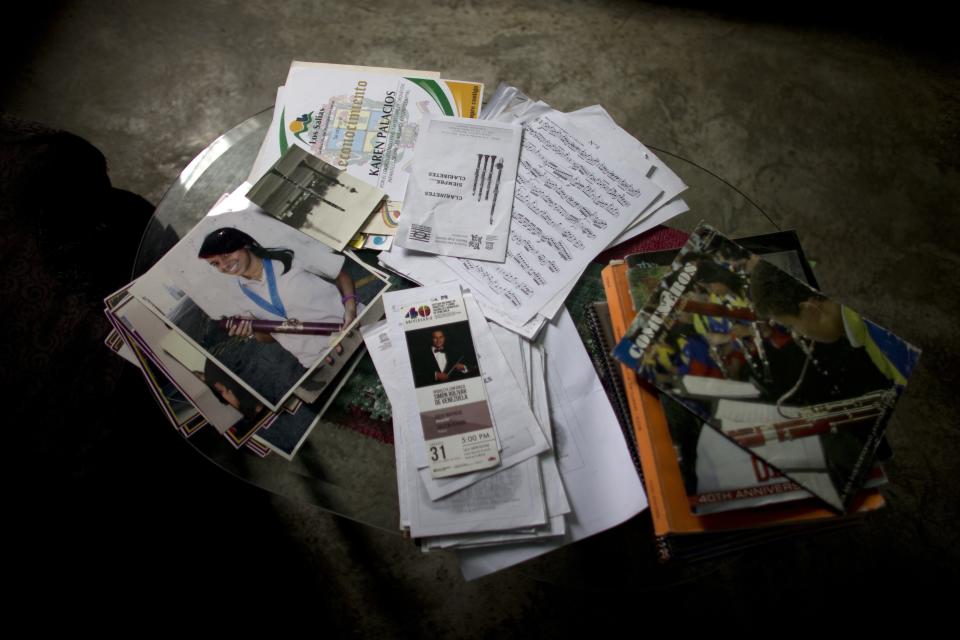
[460,194]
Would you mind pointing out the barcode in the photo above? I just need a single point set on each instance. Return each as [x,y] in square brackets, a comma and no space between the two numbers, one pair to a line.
[419,232]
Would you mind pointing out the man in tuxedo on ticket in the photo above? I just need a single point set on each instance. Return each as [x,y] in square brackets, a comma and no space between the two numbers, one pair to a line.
[442,360]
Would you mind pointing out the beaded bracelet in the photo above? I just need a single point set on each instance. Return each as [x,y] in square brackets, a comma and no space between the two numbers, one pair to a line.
[352,296]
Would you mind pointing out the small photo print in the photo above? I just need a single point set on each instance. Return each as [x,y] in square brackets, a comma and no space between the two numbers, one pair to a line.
[441,354]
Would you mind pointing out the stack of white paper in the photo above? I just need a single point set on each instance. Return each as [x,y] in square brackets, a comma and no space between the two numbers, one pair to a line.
[520,498]
[582,185]
[247,324]
[564,470]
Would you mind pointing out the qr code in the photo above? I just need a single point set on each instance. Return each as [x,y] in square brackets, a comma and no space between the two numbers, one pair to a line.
[419,232]
[475,241]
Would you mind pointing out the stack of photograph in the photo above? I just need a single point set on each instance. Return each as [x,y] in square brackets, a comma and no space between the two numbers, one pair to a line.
[757,405]
[248,324]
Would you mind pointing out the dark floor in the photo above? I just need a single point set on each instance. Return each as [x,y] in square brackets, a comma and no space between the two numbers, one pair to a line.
[845,127]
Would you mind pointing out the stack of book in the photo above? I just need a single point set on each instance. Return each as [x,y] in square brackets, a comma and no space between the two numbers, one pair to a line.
[747,424]
[248,324]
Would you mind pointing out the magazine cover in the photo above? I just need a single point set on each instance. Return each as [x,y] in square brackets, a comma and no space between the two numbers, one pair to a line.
[717,474]
[267,303]
[797,379]
[669,502]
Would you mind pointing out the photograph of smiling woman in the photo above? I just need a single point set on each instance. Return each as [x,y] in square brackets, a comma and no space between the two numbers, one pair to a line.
[270,304]
[271,288]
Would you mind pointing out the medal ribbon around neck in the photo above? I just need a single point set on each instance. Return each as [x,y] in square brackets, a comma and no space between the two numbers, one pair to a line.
[275,306]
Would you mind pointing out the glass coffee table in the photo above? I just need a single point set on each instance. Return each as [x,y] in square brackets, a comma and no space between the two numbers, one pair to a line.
[346,466]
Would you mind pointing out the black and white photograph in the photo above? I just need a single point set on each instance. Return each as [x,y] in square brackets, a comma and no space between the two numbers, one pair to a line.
[316,197]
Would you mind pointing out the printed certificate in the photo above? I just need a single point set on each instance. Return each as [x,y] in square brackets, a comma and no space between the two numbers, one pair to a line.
[363,122]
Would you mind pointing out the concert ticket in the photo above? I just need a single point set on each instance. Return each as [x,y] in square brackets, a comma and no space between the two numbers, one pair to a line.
[458,429]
